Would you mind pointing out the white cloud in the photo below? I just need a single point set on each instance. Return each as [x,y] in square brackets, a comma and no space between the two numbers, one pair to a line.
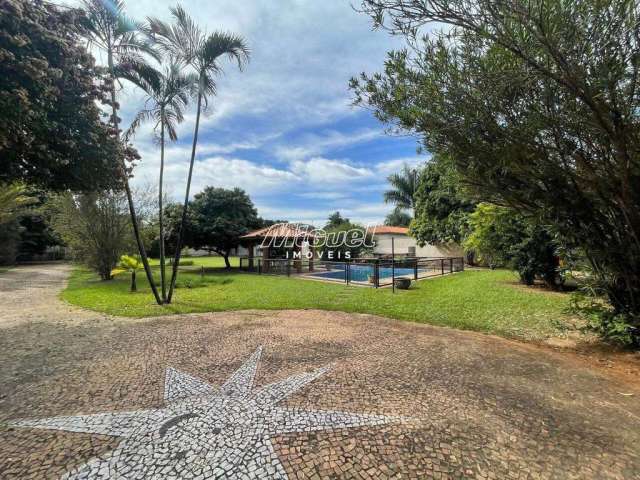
[395,165]
[371,214]
[314,144]
[303,54]
[324,172]
[223,172]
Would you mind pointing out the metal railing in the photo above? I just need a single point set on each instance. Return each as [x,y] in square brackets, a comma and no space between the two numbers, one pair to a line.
[374,272]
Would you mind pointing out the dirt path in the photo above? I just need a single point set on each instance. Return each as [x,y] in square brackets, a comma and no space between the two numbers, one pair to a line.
[400,400]
[29,294]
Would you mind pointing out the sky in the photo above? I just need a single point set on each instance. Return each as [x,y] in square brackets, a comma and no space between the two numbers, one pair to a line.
[284,129]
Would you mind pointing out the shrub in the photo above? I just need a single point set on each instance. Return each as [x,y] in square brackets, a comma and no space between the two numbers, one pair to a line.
[603,320]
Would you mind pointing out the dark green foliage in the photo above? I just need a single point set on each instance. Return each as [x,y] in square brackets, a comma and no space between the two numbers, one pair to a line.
[218,218]
[398,218]
[335,220]
[501,237]
[9,241]
[342,236]
[442,209]
[36,235]
[536,102]
[50,129]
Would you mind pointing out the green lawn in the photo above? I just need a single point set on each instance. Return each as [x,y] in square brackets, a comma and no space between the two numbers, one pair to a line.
[207,262]
[482,300]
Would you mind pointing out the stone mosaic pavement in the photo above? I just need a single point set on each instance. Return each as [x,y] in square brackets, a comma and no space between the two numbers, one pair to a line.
[292,394]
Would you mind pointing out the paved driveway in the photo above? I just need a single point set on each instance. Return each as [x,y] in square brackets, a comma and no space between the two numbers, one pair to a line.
[292,394]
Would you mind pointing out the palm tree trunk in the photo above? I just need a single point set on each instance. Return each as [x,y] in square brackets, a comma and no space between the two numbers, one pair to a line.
[127,188]
[176,259]
[160,213]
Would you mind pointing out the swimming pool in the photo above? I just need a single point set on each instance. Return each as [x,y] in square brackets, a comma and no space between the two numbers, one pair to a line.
[361,273]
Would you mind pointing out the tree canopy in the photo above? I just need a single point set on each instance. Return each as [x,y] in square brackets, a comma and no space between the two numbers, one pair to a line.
[501,237]
[442,209]
[335,220]
[50,129]
[536,103]
[218,218]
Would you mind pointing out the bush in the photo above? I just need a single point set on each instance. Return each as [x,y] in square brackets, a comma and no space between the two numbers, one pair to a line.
[502,237]
[603,320]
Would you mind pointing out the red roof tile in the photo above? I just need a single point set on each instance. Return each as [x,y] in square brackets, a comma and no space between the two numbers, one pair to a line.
[283,230]
[382,229]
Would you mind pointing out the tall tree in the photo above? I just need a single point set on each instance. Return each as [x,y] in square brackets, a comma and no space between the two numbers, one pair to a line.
[442,208]
[218,218]
[167,97]
[50,129]
[185,41]
[109,29]
[403,188]
[537,104]
[95,226]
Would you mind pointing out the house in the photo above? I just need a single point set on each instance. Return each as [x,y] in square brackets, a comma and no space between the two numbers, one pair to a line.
[405,245]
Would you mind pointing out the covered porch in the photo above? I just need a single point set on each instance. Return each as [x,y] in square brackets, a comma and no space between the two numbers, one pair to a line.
[278,242]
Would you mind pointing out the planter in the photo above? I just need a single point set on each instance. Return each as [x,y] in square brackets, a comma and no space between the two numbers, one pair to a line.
[402,283]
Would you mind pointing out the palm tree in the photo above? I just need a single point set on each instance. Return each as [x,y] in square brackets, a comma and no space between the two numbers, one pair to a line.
[186,42]
[167,97]
[118,36]
[13,200]
[404,185]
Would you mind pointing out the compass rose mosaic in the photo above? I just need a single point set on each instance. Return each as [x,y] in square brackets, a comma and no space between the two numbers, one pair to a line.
[204,432]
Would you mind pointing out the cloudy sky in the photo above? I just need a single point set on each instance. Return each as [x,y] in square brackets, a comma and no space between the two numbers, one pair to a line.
[284,129]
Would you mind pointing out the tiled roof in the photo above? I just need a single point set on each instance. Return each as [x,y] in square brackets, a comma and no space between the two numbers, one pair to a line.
[282,230]
[382,229]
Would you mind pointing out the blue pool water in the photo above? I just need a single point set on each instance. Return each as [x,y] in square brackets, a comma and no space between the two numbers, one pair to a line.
[360,273]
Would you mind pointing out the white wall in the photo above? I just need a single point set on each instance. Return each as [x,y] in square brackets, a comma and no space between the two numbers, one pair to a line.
[403,242]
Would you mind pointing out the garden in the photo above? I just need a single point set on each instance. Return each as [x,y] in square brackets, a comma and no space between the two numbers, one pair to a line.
[483,300]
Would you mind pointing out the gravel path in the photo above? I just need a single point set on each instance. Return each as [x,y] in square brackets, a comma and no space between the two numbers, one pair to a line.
[351,396]
[30,294]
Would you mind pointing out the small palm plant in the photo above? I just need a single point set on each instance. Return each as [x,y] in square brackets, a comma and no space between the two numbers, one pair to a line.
[184,41]
[167,97]
[110,30]
[132,265]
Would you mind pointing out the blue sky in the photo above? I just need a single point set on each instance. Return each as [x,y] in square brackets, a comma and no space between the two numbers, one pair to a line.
[284,129]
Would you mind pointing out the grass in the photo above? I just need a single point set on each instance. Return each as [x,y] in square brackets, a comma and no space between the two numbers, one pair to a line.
[481,300]
[207,262]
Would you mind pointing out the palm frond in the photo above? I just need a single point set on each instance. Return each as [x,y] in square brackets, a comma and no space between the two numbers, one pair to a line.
[142,116]
[403,188]
[140,73]
[396,198]
[13,199]
[220,44]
